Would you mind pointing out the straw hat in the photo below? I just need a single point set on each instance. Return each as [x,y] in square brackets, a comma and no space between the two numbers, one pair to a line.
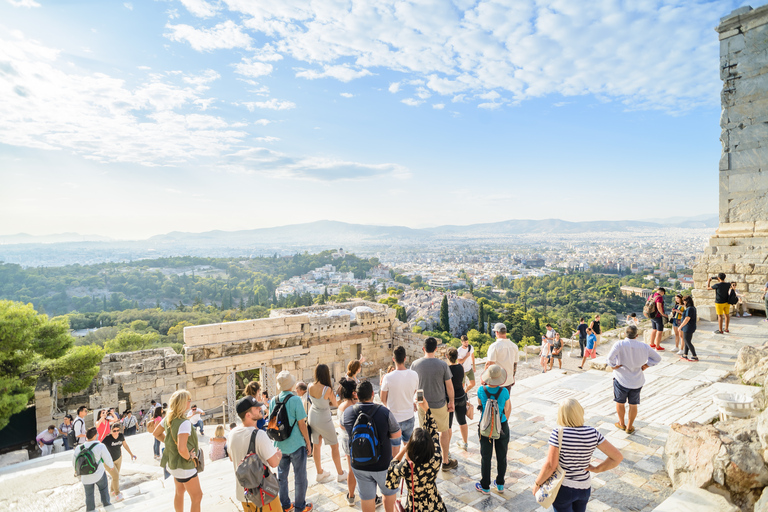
[285,381]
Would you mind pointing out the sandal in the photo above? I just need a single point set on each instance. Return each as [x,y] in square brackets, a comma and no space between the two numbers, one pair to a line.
[630,430]
[619,426]
[726,330]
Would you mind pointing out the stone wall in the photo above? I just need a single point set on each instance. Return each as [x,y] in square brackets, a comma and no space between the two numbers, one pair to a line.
[740,246]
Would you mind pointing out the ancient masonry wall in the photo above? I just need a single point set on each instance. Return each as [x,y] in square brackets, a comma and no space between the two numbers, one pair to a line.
[740,246]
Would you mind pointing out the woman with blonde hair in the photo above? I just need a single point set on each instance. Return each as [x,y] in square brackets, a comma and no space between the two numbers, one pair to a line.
[571,446]
[218,444]
[181,448]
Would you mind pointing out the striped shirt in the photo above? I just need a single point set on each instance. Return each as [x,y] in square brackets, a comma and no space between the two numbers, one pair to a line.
[579,444]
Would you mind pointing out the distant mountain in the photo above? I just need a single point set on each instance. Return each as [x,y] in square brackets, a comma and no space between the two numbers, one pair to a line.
[24,238]
[707,220]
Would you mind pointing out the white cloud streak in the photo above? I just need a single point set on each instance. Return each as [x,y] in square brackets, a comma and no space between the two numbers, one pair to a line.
[200,8]
[272,104]
[24,3]
[226,35]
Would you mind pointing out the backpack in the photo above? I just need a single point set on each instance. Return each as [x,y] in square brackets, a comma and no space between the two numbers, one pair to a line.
[733,299]
[649,310]
[279,427]
[364,443]
[85,461]
[72,438]
[490,421]
[261,486]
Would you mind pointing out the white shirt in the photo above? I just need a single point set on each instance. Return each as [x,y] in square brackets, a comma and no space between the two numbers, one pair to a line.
[463,352]
[504,352]
[400,386]
[79,426]
[631,355]
[194,416]
[239,439]
[100,453]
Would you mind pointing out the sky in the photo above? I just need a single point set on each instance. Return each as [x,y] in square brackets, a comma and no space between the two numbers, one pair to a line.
[130,119]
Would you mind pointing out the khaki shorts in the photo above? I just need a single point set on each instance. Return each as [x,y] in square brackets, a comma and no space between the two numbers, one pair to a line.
[723,309]
[440,415]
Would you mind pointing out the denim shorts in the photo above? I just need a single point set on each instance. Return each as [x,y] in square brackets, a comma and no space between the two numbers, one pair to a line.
[368,481]
[657,324]
[406,430]
[622,395]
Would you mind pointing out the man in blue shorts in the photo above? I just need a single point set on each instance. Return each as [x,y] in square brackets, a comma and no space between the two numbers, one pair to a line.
[629,358]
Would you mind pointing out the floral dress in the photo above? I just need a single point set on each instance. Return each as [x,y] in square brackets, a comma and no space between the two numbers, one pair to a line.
[425,494]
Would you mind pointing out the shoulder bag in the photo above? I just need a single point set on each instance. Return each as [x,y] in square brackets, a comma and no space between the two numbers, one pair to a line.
[547,493]
[398,505]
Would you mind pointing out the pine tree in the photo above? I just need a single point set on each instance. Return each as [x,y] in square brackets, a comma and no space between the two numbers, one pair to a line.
[242,304]
[481,319]
[445,323]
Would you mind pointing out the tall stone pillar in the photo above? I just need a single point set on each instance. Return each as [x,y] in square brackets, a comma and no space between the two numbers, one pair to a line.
[740,246]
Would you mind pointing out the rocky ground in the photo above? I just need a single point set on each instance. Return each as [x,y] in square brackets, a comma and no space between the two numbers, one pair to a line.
[423,309]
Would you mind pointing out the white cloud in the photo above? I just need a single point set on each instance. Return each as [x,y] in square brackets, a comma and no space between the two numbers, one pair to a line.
[342,72]
[491,95]
[23,3]
[273,104]
[262,122]
[347,95]
[267,139]
[207,76]
[200,8]
[128,5]
[394,87]
[253,69]
[423,93]
[438,106]
[412,102]
[489,106]
[225,35]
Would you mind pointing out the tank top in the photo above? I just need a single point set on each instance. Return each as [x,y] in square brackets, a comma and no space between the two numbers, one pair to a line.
[596,326]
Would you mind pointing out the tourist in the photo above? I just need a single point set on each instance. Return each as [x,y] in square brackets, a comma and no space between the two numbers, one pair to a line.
[323,398]
[595,326]
[129,423]
[557,352]
[372,475]
[738,306]
[65,427]
[253,389]
[46,438]
[250,412]
[467,360]
[582,330]
[79,425]
[354,368]
[419,469]
[629,358]
[296,448]
[574,454]
[99,477]
[301,391]
[115,444]
[397,391]
[459,398]
[156,419]
[688,327]
[435,380]
[103,424]
[218,444]
[722,307]
[194,416]
[545,355]
[494,378]
[181,448]
[657,322]
[675,316]
[347,391]
[505,353]
[590,350]
[632,319]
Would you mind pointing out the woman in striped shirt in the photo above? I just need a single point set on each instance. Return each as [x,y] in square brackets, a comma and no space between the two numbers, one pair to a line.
[575,457]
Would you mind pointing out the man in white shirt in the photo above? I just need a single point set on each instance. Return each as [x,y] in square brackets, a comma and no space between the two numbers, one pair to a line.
[504,352]
[79,425]
[98,478]
[397,391]
[629,358]
[194,418]
[467,360]
[250,411]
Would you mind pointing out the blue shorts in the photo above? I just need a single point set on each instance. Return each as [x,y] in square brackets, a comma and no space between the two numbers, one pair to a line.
[657,324]
[368,481]
[406,429]
[621,394]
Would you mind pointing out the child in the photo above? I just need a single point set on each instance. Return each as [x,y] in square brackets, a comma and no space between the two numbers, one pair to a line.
[546,354]
[590,350]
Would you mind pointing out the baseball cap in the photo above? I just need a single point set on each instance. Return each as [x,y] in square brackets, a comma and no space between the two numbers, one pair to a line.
[499,327]
[245,403]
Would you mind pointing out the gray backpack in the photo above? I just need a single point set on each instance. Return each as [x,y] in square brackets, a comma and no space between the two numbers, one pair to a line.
[490,421]
[260,484]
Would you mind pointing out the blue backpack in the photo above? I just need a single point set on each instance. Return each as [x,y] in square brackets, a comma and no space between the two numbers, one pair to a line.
[364,443]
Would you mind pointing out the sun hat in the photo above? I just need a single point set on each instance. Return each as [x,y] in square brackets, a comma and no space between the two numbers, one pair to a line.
[495,375]
[285,381]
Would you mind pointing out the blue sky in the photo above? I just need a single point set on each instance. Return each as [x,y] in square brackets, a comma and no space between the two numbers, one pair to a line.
[138,118]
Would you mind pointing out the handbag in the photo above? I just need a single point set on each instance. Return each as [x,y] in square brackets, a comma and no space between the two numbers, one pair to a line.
[199,460]
[547,493]
[398,504]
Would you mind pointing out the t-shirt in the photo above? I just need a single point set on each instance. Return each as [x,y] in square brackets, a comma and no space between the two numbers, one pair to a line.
[80,430]
[432,373]
[503,397]
[237,445]
[101,454]
[659,299]
[385,424]
[457,372]
[722,290]
[114,445]
[691,325]
[591,340]
[467,364]
[130,422]
[582,328]
[504,352]
[576,451]
[184,428]
[296,412]
[46,437]
[400,386]
[194,416]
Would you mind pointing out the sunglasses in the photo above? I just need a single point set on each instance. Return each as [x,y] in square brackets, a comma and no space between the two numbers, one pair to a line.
[116,430]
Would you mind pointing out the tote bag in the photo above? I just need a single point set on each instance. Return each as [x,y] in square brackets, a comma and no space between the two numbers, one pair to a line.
[547,493]
[398,505]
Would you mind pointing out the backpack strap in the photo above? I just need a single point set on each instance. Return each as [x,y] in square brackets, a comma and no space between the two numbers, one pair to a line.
[252,444]
[489,395]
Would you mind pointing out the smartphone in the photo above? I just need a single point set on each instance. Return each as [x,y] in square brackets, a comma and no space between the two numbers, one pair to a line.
[420,395]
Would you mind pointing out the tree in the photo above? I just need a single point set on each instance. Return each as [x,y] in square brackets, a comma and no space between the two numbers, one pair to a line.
[445,322]
[481,319]
[128,341]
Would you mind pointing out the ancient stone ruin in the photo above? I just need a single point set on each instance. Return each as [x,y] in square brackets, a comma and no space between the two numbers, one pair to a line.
[740,246]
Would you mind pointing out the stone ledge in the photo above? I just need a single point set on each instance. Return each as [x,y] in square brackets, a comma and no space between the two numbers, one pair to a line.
[689,498]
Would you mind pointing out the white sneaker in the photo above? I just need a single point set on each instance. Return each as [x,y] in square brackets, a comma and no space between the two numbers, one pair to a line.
[680,352]
[118,497]
[323,477]
[342,477]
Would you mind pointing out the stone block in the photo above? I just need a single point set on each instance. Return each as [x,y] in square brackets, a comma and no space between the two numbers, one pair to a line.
[154,363]
[707,313]
[174,361]
[124,378]
[136,368]
[202,393]
[13,457]
[160,382]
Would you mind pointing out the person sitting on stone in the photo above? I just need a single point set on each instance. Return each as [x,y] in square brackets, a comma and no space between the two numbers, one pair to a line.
[218,444]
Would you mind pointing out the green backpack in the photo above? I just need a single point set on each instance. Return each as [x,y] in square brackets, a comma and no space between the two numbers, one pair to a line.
[85,461]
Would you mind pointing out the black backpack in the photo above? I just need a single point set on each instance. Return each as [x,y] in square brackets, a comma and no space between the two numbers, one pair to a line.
[364,443]
[279,427]
[85,461]
[733,299]
[72,438]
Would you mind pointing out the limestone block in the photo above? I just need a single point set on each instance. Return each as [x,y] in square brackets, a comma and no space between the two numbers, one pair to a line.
[689,498]
[748,357]
[174,361]
[707,312]
[124,378]
[160,383]
[756,374]
[13,457]
[202,393]
[136,368]
[154,363]
[762,503]
[760,279]
[756,288]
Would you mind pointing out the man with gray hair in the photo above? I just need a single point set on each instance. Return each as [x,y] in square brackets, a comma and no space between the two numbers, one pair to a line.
[504,353]
[629,358]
